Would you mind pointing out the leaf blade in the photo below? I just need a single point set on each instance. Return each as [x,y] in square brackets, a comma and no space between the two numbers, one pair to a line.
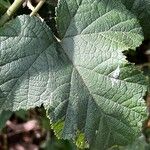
[89,89]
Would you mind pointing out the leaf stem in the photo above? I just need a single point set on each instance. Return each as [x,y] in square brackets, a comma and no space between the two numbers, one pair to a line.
[36,9]
[10,12]
[30,6]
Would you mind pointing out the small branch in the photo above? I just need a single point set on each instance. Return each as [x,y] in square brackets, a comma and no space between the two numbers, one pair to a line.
[36,9]
[10,12]
[30,6]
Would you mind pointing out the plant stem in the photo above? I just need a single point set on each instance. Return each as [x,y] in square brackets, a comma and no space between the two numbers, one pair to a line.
[10,12]
[30,6]
[36,9]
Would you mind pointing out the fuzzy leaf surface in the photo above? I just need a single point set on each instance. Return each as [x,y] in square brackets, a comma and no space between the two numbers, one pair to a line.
[141,8]
[92,94]
[93,36]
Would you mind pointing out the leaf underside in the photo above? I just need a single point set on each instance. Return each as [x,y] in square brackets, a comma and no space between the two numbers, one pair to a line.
[90,92]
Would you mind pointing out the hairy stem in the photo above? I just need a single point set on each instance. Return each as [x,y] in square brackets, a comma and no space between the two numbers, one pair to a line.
[10,12]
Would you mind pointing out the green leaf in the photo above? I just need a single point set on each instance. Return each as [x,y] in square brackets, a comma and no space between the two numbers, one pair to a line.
[4,116]
[4,4]
[141,8]
[92,94]
[27,48]
[52,2]
[22,114]
[138,144]
[105,95]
